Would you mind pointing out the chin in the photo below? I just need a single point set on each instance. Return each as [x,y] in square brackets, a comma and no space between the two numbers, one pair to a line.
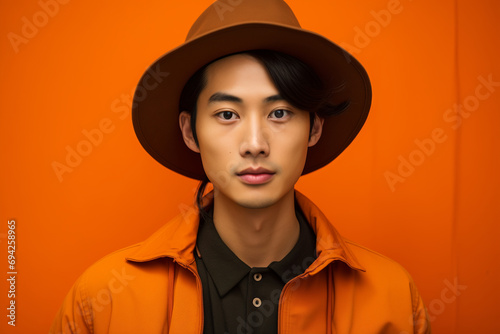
[259,200]
[261,203]
[260,197]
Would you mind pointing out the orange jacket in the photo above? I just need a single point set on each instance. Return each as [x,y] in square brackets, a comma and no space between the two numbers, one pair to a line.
[153,287]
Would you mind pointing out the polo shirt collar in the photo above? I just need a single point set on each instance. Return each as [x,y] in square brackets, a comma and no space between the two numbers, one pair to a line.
[227,270]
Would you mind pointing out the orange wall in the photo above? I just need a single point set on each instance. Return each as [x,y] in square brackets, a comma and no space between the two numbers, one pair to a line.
[76,71]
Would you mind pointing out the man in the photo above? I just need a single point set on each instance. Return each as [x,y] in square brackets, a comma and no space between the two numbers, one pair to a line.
[252,102]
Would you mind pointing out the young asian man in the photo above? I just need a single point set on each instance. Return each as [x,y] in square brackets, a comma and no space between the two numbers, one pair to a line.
[249,108]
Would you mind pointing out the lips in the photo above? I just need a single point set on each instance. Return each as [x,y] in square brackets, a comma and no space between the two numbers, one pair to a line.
[254,176]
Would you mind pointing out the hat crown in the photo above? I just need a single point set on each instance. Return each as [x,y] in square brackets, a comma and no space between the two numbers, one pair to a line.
[222,14]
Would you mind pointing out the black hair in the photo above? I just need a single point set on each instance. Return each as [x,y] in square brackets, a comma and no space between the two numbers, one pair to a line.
[295,81]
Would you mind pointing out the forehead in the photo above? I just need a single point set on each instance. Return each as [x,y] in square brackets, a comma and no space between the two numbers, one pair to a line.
[241,70]
[231,63]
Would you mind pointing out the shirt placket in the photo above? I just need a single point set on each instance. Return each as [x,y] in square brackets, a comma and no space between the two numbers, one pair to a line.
[256,315]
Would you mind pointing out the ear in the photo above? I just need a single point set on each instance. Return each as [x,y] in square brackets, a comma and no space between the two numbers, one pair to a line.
[187,132]
[316,130]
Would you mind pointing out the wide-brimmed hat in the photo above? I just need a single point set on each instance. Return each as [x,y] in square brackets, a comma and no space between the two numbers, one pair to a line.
[234,26]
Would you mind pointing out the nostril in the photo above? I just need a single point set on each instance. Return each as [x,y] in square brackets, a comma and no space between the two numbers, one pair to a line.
[262,152]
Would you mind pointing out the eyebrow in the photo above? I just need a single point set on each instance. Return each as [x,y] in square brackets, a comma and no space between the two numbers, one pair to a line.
[274,98]
[223,97]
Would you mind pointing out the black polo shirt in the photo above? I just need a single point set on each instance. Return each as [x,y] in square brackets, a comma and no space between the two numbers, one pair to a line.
[240,299]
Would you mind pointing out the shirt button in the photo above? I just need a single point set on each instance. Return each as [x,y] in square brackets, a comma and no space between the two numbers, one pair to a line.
[257,277]
[257,302]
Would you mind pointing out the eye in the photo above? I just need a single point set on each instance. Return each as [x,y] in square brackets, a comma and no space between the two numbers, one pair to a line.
[226,115]
[279,113]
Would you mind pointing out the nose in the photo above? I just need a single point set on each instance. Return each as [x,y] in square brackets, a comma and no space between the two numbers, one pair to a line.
[255,140]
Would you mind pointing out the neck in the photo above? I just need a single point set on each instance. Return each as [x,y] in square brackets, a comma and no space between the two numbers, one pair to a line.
[258,236]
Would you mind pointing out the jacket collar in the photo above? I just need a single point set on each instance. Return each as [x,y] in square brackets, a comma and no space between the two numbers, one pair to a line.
[177,239]
[330,245]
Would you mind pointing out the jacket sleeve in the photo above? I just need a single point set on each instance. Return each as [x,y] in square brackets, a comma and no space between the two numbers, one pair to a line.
[421,322]
[75,314]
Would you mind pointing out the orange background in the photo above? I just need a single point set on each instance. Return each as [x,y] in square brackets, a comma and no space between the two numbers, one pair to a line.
[80,66]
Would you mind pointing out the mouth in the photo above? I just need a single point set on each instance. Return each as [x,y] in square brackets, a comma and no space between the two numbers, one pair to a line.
[255,175]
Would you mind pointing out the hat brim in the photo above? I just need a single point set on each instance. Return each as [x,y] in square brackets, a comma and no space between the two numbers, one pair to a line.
[155,109]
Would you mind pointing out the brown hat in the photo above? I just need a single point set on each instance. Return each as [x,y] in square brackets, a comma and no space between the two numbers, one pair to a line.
[235,26]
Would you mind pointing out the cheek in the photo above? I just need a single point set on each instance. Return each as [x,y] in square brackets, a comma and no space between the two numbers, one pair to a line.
[291,148]
[213,141]
[217,155]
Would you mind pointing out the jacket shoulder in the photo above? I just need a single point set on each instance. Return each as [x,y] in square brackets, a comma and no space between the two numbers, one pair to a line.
[106,289]
[392,281]
[107,263]
[375,262]
[114,272]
